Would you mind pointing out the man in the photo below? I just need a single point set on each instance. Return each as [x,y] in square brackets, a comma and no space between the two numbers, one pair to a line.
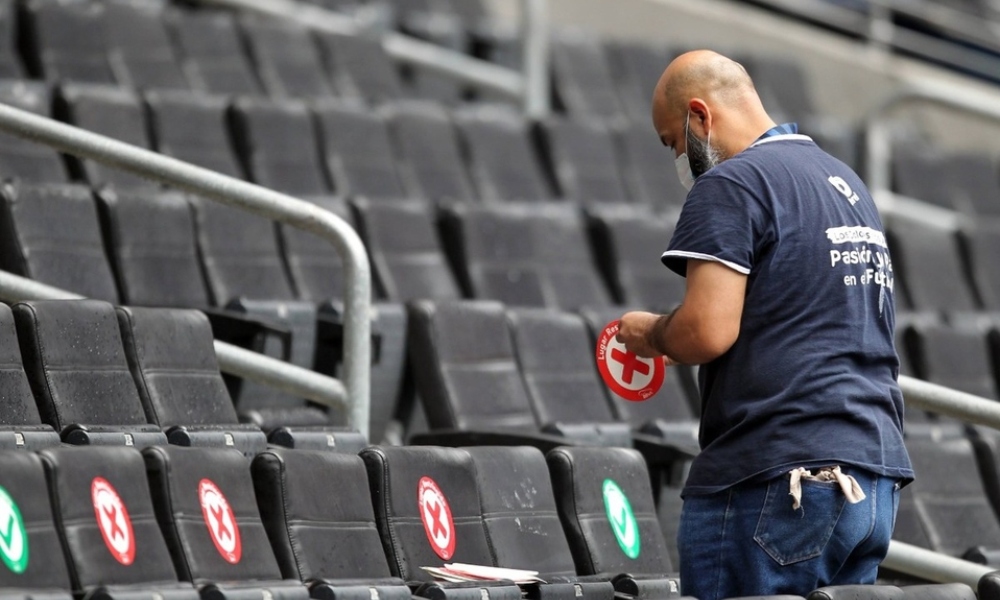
[789,310]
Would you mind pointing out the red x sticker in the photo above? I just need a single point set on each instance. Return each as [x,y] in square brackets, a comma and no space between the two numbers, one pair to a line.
[220,520]
[626,374]
[113,520]
[436,516]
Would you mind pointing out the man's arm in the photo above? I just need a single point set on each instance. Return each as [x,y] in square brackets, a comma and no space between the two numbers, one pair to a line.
[703,328]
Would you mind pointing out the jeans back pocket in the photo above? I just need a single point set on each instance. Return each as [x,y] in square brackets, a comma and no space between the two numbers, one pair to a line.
[792,535]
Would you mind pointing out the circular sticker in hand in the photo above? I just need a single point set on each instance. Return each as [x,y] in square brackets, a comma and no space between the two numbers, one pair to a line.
[629,376]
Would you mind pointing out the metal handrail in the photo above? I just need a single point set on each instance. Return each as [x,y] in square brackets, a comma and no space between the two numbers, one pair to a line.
[232,359]
[531,87]
[234,192]
[933,566]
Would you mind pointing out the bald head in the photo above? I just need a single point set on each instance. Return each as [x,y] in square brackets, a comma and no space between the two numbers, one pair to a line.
[718,94]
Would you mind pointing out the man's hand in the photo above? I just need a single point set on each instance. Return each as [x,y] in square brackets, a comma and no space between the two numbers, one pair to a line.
[637,330]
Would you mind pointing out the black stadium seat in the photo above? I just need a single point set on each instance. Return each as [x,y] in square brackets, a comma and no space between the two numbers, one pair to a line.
[114,112]
[360,67]
[637,66]
[204,499]
[68,41]
[75,362]
[287,59]
[504,161]
[408,261]
[522,522]
[22,426]
[212,52]
[428,151]
[20,158]
[428,514]
[584,157]
[10,61]
[105,517]
[173,363]
[647,166]
[582,77]
[192,127]
[524,254]
[51,233]
[141,53]
[606,507]
[31,548]
[313,263]
[317,511]
[358,151]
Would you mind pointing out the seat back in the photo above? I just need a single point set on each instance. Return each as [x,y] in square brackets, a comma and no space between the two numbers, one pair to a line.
[504,160]
[606,506]
[637,66]
[151,241]
[213,53]
[31,548]
[279,146]
[922,173]
[52,234]
[585,160]
[10,62]
[525,255]
[646,168]
[582,76]
[406,253]
[287,59]
[19,416]
[358,152]
[928,265]
[192,127]
[205,504]
[104,512]
[427,508]
[21,158]
[75,362]
[982,244]
[317,510]
[116,113]
[140,51]
[68,42]
[360,67]
[429,152]
[955,355]
[519,510]
[316,269]
[465,368]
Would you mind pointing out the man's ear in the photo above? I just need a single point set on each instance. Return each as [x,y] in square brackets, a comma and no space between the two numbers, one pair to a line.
[700,114]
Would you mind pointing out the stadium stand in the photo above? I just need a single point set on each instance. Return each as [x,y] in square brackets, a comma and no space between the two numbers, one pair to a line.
[286,58]
[22,425]
[140,51]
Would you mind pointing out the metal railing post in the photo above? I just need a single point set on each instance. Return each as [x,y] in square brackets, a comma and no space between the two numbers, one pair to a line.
[933,566]
[247,196]
[535,34]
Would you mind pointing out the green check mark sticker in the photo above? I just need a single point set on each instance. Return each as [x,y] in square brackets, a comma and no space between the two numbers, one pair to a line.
[13,537]
[621,518]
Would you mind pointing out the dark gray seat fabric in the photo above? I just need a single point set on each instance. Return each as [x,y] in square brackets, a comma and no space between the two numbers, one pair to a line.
[360,67]
[982,243]
[427,510]
[10,61]
[20,424]
[956,355]
[636,67]
[317,511]
[316,269]
[104,513]
[922,172]
[37,564]
[151,241]
[278,146]
[212,52]
[204,499]
[76,365]
[585,160]
[67,41]
[51,233]
[429,155]
[192,127]
[406,254]
[141,53]
[112,111]
[524,255]
[643,156]
[358,152]
[503,159]
[287,59]
[977,186]
[629,242]
[583,78]
[20,158]
[172,359]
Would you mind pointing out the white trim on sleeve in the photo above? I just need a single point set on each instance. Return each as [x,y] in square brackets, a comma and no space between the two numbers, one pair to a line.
[709,257]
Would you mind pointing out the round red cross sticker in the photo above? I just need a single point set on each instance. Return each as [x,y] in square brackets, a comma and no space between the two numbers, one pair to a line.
[436,515]
[220,520]
[113,520]
[631,377]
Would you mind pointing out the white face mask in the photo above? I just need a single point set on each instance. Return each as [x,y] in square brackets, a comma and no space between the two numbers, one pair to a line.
[706,157]
[683,166]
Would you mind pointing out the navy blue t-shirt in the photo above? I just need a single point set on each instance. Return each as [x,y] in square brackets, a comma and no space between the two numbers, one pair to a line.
[811,379]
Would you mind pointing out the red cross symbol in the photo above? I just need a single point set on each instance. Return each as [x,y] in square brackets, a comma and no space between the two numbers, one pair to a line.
[111,512]
[436,516]
[219,514]
[216,511]
[440,529]
[630,364]
[113,520]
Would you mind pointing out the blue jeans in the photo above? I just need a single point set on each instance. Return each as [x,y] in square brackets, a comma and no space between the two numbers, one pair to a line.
[748,541]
